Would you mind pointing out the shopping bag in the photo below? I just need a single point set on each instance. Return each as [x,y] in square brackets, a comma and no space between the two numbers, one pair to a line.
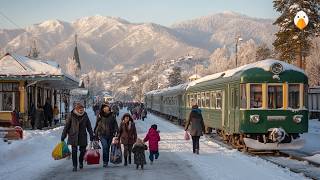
[60,151]
[186,136]
[92,156]
[116,154]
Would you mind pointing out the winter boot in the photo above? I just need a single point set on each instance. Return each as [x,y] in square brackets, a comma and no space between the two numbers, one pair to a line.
[81,166]
[74,169]
[197,151]
[129,159]
[125,161]
[105,164]
[137,166]
[142,166]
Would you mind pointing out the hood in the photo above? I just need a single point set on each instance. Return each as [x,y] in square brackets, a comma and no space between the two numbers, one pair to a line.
[152,131]
[197,110]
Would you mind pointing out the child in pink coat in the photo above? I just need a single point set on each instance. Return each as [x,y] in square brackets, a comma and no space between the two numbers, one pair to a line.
[153,137]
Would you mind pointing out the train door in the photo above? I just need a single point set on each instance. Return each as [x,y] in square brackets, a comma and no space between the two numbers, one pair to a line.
[232,107]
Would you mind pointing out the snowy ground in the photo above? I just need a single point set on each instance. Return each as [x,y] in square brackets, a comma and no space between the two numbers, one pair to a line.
[31,159]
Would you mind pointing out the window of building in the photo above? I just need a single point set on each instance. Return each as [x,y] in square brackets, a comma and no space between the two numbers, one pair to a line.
[255,96]
[213,100]
[9,96]
[275,97]
[243,96]
[294,96]
[218,100]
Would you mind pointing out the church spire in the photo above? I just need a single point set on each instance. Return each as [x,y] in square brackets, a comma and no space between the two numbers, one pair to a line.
[76,53]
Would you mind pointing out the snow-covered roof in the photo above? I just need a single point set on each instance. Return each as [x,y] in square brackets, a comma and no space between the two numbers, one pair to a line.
[178,88]
[79,91]
[264,64]
[20,66]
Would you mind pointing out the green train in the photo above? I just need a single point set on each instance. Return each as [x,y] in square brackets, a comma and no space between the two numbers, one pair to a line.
[260,105]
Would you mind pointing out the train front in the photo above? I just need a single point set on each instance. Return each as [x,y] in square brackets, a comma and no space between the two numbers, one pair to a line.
[273,110]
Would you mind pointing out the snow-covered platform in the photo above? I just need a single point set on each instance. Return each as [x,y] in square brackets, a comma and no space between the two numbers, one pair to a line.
[31,159]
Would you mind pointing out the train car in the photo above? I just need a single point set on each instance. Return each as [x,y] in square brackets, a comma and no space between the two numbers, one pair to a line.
[314,102]
[260,105]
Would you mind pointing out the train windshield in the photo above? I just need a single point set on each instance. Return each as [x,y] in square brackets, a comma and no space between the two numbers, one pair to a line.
[275,97]
[294,96]
[255,96]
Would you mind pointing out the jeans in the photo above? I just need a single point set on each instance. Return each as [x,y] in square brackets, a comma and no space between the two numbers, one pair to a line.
[75,155]
[195,143]
[106,143]
[153,154]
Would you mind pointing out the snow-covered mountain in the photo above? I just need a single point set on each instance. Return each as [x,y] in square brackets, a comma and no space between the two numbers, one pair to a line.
[105,42]
[218,30]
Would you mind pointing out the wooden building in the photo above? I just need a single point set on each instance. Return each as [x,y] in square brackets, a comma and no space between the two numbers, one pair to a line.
[25,81]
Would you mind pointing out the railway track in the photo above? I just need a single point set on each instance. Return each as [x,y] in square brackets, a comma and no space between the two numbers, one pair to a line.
[292,160]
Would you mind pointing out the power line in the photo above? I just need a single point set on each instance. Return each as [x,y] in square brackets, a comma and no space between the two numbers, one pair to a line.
[11,21]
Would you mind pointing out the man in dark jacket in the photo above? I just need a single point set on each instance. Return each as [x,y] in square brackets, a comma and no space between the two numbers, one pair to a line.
[48,113]
[106,128]
[76,128]
[197,127]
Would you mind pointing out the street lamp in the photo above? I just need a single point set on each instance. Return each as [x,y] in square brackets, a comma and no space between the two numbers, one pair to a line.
[238,39]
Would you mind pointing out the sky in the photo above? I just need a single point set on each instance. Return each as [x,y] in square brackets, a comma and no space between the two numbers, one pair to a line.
[23,13]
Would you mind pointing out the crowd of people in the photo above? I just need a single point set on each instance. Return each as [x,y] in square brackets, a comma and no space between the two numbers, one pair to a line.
[43,115]
[107,128]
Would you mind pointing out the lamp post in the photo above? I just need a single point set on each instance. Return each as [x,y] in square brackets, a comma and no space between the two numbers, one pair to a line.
[238,39]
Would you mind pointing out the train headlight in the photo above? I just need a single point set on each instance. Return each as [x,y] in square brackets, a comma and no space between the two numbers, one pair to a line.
[254,118]
[297,118]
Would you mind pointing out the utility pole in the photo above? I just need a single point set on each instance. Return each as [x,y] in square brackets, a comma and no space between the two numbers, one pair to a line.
[238,39]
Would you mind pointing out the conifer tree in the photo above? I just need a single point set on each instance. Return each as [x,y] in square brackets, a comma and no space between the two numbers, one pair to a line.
[291,43]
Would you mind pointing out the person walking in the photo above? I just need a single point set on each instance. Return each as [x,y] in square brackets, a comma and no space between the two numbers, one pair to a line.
[127,136]
[39,120]
[139,153]
[197,127]
[144,113]
[153,137]
[76,128]
[32,115]
[106,128]
[56,114]
[48,113]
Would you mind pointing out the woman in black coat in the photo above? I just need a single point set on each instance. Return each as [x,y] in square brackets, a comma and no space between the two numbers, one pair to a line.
[76,128]
[197,127]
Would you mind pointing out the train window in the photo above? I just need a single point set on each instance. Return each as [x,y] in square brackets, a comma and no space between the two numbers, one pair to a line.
[294,96]
[203,98]
[213,100]
[207,99]
[199,100]
[218,99]
[275,97]
[255,96]
[243,96]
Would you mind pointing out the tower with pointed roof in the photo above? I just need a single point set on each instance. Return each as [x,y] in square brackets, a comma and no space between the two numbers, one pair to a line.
[76,57]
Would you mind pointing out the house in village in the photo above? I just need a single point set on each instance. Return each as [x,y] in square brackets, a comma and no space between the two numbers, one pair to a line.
[25,81]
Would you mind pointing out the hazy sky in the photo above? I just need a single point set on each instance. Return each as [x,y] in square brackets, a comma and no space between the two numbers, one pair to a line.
[164,12]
